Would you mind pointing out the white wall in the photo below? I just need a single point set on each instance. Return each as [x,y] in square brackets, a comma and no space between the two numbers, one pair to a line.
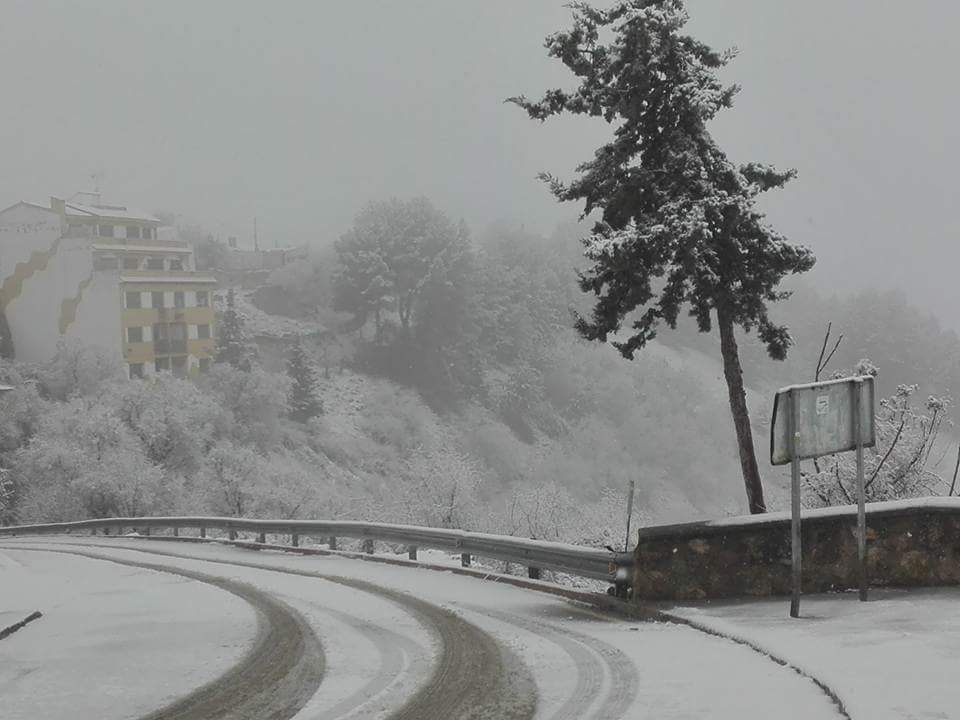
[99,316]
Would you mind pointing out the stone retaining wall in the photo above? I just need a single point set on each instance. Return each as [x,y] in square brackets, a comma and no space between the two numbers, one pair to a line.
[909,543]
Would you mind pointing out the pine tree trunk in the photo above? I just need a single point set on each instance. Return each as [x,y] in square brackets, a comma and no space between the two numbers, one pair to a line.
[741,417]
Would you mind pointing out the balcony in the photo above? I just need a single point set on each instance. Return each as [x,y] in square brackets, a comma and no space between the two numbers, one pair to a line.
[169,347]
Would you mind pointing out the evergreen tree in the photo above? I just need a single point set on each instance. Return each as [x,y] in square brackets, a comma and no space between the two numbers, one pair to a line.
[6,339]
[678,225]
[233,346]
[303,402]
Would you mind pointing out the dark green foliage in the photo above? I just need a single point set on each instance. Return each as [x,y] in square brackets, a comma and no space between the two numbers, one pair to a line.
[679,224]
[303,402]
[6,339]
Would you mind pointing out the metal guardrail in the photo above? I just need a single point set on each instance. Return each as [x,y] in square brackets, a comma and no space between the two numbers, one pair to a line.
[536,555]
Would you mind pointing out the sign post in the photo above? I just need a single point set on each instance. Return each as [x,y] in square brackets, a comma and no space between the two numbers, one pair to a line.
[630,493]
[822,419]
[861,503]
[796,545]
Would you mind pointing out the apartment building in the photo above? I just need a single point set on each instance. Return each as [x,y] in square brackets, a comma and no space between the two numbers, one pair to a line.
[106,275]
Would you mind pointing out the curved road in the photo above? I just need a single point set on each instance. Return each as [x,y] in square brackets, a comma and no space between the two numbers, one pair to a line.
[407,643]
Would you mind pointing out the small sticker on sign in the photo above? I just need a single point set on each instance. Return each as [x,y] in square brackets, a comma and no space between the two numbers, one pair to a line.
[823,404]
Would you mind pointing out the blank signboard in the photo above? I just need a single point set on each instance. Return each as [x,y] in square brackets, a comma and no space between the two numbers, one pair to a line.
[825,418]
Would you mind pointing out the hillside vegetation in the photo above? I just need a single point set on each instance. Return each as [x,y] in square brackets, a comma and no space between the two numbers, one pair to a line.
[482,410]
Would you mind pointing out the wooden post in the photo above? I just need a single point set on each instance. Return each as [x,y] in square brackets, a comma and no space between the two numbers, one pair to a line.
[533,573]
[795,537]
[93,531]
[332,542]
[368,546]
[861,501]
[233,534]
[203,532]
[295,540]
[464,559]
[412,552]
[146,531]
[176,532]
[262,538]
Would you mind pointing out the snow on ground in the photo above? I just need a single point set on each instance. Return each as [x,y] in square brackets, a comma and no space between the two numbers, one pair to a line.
[114,641]
[893,657]
[584,665]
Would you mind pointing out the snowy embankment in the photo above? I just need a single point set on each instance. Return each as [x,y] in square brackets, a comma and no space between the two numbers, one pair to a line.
[891,658]
[114,641]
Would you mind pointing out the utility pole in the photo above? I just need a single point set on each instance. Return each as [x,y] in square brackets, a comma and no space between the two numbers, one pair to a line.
[256,241]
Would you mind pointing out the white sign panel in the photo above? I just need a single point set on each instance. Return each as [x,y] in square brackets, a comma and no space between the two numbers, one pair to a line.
[824,419]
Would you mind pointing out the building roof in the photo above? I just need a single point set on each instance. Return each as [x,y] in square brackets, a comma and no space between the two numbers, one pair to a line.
[115,212]
[172,278]
[131,247]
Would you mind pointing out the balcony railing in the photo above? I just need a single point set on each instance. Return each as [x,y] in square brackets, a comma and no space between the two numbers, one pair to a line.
[169,347]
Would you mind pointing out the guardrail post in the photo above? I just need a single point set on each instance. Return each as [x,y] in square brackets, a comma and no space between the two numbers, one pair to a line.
[262,538]
[146,531]
[176,532]
[368,546]
[332,541]
[533,573]
[93,531]
[412,552]
[295,540]
[233,534]
[464,559]
[203,532]
[119,530]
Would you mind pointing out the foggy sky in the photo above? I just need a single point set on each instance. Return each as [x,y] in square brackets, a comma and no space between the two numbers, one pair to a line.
[300,112]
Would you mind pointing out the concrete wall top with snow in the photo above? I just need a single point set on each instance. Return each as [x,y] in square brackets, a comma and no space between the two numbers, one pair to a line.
[909,543]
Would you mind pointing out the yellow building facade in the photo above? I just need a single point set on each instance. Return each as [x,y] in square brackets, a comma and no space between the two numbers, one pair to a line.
[108,276]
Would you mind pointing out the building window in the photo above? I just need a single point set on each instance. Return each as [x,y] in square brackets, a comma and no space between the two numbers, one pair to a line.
[156,299]
[203,332]
[203,299]
[179,365]
[176,264]
[105,230]
[134,334]
[133,300]
[136,370]
[133,232]
[74,230]
[105,262]
[204,364]
[178,331]
[131,263]
[146,233]
[154,263]
[161,364]
[178,300]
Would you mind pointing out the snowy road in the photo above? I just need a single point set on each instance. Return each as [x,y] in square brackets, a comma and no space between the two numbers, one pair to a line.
[397,642]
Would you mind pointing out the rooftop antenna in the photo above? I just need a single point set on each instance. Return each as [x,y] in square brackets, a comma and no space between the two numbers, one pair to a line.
[97,177]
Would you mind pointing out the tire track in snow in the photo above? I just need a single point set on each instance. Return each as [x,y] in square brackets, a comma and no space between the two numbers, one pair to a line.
[593,659]
[474,678]
[273,680]
[398,654]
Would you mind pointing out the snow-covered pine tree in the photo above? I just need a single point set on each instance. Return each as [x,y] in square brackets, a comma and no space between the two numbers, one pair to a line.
[303,402]
[678,226]
[233,346]
[6,339]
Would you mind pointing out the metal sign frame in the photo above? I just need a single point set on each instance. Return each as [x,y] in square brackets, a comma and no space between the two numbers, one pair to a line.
[823,433]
